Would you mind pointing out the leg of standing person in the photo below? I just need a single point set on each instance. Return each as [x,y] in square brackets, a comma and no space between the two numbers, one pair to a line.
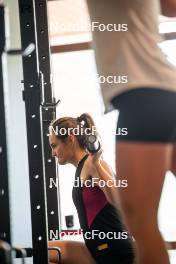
[173,166]
[147,165]
[143,164]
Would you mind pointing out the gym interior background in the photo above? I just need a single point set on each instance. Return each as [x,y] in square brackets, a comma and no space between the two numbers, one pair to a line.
[75,84]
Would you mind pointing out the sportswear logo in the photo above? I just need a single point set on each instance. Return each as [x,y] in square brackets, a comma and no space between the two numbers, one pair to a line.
[102,247]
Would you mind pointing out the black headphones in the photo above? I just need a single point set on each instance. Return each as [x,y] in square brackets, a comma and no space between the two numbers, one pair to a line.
[93,144]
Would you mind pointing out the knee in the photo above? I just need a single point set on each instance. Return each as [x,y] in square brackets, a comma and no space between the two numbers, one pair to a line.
[142,229]
[140,222]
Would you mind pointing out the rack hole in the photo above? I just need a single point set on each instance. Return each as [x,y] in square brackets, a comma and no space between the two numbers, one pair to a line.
[3,235]
[2,192]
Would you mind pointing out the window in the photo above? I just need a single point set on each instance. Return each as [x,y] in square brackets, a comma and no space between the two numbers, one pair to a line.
[76,84]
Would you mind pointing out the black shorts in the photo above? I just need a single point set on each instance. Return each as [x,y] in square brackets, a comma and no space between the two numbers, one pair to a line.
[118,251]
[113,258]
[146,114]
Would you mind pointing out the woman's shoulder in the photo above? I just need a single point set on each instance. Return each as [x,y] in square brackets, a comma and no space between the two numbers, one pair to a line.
[90,167]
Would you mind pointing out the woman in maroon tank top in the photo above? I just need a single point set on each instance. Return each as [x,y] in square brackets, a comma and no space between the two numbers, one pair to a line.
[95,196]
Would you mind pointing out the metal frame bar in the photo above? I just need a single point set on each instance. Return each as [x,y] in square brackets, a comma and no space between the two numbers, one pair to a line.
[88,45]
[32,100]
[5,232]
[71,47]
[169,36]
[48,111]
[170,245]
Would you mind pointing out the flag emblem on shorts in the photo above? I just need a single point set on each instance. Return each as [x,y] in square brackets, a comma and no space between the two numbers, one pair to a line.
[102,246]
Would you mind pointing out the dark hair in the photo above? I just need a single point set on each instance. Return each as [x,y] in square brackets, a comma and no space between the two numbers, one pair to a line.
[82,122]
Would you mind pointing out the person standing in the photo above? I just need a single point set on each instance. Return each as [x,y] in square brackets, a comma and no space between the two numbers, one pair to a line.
[127,45]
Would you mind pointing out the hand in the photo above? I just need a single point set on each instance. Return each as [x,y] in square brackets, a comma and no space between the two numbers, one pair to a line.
[96,158]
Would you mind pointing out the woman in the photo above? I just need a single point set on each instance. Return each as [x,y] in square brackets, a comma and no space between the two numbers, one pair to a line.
[147,108]
[106,240]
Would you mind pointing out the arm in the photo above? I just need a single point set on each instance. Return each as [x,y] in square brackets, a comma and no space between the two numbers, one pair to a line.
[168,7]
[104,172]
[101,171]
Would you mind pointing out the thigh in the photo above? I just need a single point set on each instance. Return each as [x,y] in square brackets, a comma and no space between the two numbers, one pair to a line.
[144,166]
[72,252]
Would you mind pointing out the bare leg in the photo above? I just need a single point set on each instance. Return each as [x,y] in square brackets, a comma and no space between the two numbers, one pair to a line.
[173,166]
[144,166]
[72,252]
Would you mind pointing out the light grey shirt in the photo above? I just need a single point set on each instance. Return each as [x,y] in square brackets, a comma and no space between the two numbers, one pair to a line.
[133,53]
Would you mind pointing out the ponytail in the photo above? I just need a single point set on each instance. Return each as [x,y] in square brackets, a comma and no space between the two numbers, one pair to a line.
[84,123]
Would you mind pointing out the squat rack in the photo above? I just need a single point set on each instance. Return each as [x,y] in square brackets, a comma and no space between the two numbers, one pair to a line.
[4,184]
[40,110]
